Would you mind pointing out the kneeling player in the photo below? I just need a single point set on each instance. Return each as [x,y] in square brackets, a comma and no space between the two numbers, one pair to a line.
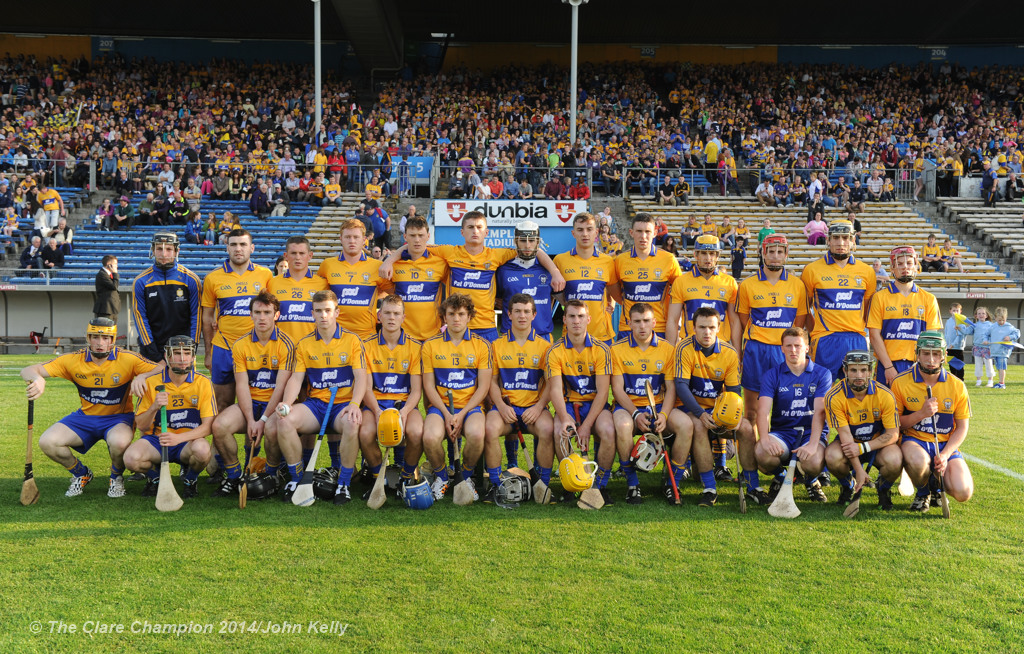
[640,357]
[518,394]
[864,414]
[393,360]
[456,368]
[102,373]
[191,407]
[791,415]
[330,356]
[944,414]
[704,367]
[262,361]
[579,375]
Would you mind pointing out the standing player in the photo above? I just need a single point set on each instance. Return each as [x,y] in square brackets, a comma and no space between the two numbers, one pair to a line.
[104,375]
[393,364]
[191,408]
[458,361]
[645,274]
[295,288]
[524,274]
[791,415]
[863,412]
[330,356]
[165,298]
[354,278]
[519,397]
[579,376]
[262,360]
[228,291]
[418,278]
[706,366]
[704,286]
[899,313]
[639,358]
[839,289]
[589,274]
[946,414]
[767,304]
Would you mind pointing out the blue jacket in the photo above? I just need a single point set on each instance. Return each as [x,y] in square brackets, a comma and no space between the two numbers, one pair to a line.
[955,339]
[1004,332]
[980,331]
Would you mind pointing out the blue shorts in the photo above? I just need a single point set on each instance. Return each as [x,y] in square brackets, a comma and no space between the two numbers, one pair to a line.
[489,335]
[93,429]
[899,364]
[519,418]
[319,409]
[584,409]
[222,368]
[389,404]
[793,439]
[999,362]
[929,447]
[258,409]
[829,349]
[437,412]
[173,452]
[759,358]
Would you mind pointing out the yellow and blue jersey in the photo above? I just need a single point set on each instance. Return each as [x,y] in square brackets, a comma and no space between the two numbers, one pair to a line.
[837,294]
[296,297]
[261,363]
[866,418]
[456,365]
[579,369]
[931,251]
[771,308]
[587,280]
[357,286]
[647,281]
[419,282]
[901,319]
[954,405]
[706,375]
[391,370]
[520,368]
[330,364]
[103,385]
[230,294]
[655,364]
[692,291]
[473,275]
[188,404]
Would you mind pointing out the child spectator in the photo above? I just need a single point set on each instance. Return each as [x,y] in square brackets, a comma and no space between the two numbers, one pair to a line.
[980,328]
[1000,334]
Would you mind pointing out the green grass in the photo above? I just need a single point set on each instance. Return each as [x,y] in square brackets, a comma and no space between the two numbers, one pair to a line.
[475,579]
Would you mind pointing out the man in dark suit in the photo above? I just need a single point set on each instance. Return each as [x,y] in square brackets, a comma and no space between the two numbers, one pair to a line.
[108,300]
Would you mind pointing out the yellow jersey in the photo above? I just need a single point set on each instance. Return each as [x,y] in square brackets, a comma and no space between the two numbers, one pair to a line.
[103,385]
[188,404]
[931,251]
[902,318]
[473,275]
[587,280]
[230,294]
[655,364]
[693,291]
[296,297]
[455,365]
[520,368]
[330,364]
[866,418]
[954,404]
[261,363]
[771,308]
[391,370]
[706,375]
[647,281]
[419,283]
[837,294]
[579,369]
[357,286]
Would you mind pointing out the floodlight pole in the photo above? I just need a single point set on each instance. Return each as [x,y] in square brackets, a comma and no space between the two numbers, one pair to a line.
[317,70]
[574,42]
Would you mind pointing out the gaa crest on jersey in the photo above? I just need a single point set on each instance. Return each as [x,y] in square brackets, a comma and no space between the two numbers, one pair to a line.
[366,277]
[180,293]
[194,400]
[536,360]
[812,388]
[721,293]
[344,358]
[115,379]
[470,358]
[947,404]
[789,298]
[657,365]
[718,372]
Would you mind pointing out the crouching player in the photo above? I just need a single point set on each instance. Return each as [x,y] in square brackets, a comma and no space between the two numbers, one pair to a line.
[518,393]
[791,416]
[457,362]
[191,407]
[945,414]
[863,412]
[393,361]
[262,361]
[704,368]
[640,357]
[102,373]
[579,375]
[330,356]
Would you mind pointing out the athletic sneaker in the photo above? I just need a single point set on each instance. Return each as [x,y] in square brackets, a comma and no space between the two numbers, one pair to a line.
[78,484]
[439,488]
[151,487]
[366,477]
[342,495]
[687,474]
[189,489]
[991,383]
[489,496]
[670,497]
[845,495]
[708,497]
[116,488]
[825,479]
[757,496]
[933,486]
[814,492]
[1002,386]
[977,383]
[633,495]
[472,487]
[921,504]
[288,491]
[885,499]
[216,478]
[137,476]
[227,487]
[723,474]
[607,497]
[773,490]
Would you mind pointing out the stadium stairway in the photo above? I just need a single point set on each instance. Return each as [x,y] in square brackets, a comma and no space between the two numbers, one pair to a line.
[997,230]
[324,233]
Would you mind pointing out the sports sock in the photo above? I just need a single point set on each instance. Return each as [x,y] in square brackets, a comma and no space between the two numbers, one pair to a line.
[375,470]
[708,479]
[115,472]
[334,448]
[512,452]
[847,482]
[345,477]
[923,491]
[677,472]
[689,461]
[442,473]
[233,471]
[294,473]
[220,461]
[602,476]
[883,484]
[493,474]
[273,467]
[190,475]
[400,455]
[629,469]
[718,448]
[152,474]
[307,454]
[545,475]
[753,482]
[467,473]
[79,469]
[408,470]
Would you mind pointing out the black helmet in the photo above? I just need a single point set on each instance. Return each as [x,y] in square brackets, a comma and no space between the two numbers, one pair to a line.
[325,482]
[262,486]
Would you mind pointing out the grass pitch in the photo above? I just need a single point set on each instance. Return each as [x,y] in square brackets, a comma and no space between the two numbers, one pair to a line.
[95,574]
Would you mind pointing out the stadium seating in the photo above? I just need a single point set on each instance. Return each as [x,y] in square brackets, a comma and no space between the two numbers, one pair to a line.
[1000,225]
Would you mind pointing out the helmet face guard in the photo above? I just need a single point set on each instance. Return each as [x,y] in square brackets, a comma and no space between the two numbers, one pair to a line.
[774,240]
[527,231]
[101,327]
[512,490]
[576,473]
[858,357]
[647,452]
[418,496]
[931,339]
[182,348]
[903,251]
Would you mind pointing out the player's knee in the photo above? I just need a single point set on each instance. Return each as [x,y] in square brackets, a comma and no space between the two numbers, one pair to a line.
[835,458]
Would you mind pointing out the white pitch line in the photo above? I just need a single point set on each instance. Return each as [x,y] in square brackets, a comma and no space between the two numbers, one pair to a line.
[992,466]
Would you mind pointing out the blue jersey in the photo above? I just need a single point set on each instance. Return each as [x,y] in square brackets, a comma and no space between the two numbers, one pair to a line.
[793,396]
[534,281]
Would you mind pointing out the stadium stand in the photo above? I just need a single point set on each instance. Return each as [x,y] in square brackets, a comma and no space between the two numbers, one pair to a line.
[1002,226]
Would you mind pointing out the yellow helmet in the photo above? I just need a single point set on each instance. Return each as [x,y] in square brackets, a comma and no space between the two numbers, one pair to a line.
[728,411]
[389,428]
[103,327]
[576,473]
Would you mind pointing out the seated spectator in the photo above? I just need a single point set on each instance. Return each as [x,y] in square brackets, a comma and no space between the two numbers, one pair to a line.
[727,233]
[857,197]
[194,229]
[554,189]
[52,256]
[145,212]
[841,192]
[161,209]
[708,227]
[192,194]
[670,246]
[781,190]
[817,205]
[227,223]
[881,276]
[815,230]
[765,193]
[579,189]
[10,221]
[931,257]
[874,186]
[124,215]
[526,190]
[178,211]
[660,231]
[316,191]
[512,189]
[950,255]
[497,188]
[691,230]
[1014,188]
[210,230]
[798,192]
[607,217]
[681,190]
[64,235]
[332,192]
[31,256]
[105,214]
[280,203]
[888,190]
